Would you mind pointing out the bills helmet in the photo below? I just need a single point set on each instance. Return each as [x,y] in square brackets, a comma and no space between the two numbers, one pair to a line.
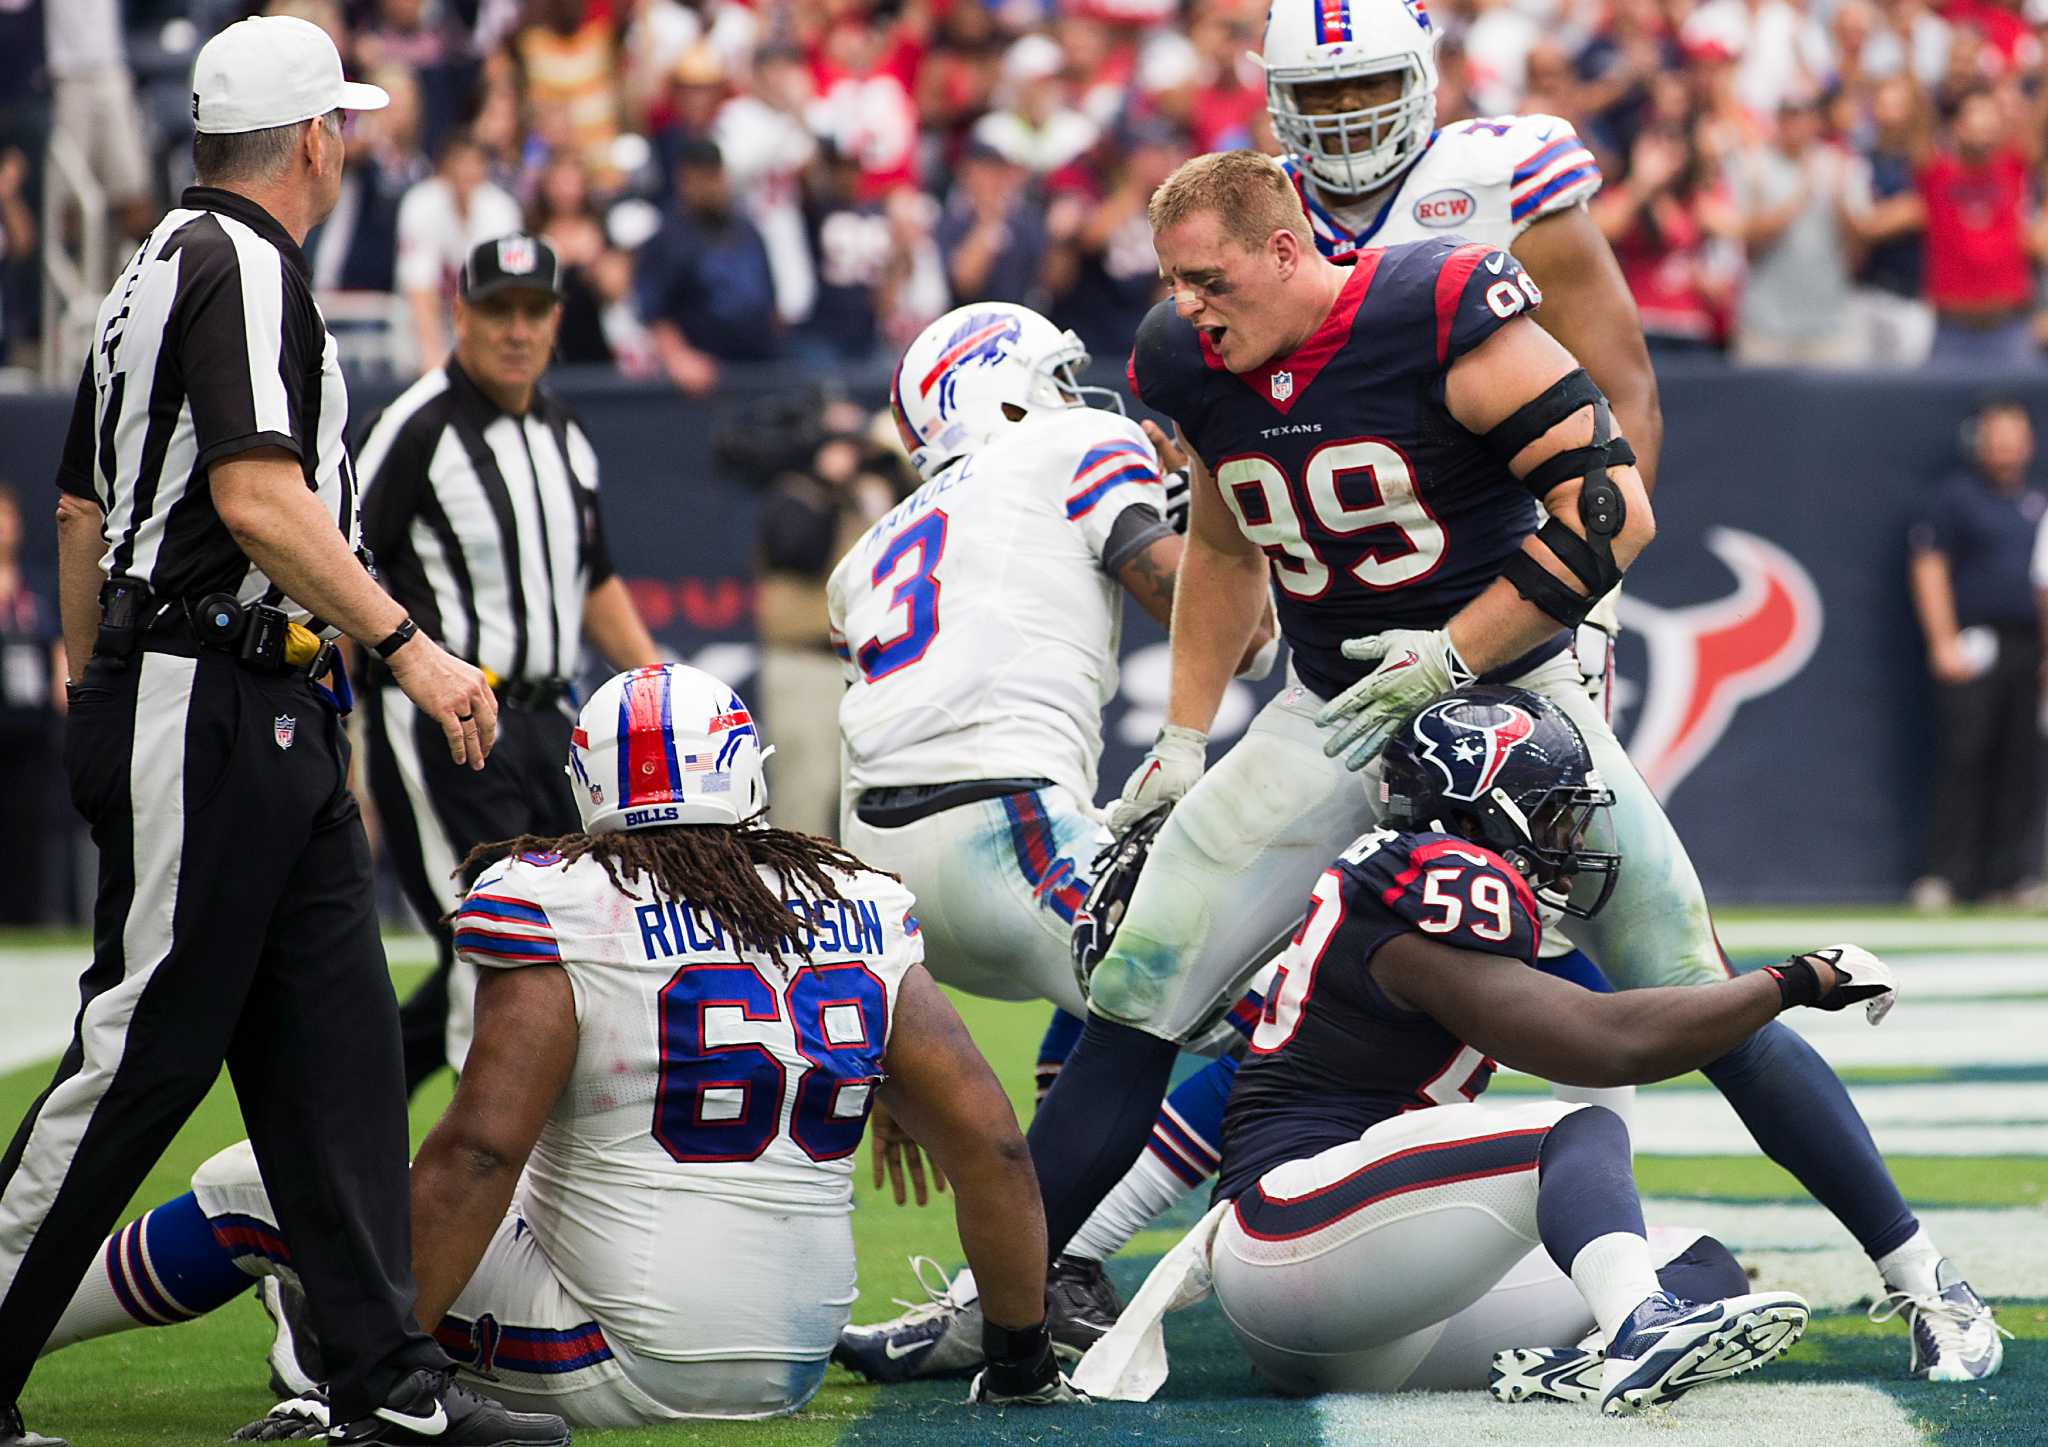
[979,368]
[666,745]
[1310,42]
[1507,768]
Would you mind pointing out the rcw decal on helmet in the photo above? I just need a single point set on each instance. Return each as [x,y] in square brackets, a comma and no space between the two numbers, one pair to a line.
[1708,659]
[978,342]
[1469,743]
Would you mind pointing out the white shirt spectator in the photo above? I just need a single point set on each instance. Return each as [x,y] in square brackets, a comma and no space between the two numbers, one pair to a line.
[1765,36]
[765,151]
[436,231]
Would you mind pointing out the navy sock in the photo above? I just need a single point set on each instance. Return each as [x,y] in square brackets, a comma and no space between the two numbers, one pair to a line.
[1797,1110]
[1096,1120]
[1585,1184]
[188,1270]
[1577,968]
[1704,1271]
[1061,1034]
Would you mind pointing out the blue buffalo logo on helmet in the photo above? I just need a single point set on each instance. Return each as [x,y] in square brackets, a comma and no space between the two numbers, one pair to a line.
[1471,751]
[981,341]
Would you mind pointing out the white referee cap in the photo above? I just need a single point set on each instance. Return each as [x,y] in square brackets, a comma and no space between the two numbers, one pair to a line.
[273,70]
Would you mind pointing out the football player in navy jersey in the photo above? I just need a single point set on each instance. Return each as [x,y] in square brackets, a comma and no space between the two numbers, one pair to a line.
[1438,493]
[1376,1227]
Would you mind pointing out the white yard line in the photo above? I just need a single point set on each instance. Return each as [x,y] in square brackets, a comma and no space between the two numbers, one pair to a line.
[1794,930]
[1972,1119]
[41,990]
[1752,1412]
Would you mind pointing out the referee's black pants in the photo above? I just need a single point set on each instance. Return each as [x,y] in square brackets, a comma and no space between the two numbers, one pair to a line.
[434,811]
[234,923]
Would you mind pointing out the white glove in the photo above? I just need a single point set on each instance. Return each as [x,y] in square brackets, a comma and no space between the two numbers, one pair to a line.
[1863,978]
[1262,661]
[300,1419]
[1416,666]
[1176,761]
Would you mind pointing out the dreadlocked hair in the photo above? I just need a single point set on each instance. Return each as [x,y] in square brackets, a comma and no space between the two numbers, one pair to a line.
[713,866]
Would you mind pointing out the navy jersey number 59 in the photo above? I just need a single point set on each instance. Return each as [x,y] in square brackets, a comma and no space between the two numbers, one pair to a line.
[722,1100]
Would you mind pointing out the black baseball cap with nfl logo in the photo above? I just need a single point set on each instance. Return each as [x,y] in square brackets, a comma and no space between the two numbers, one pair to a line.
[511,263]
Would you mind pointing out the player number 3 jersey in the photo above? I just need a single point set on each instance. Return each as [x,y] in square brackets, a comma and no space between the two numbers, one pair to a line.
[976,624]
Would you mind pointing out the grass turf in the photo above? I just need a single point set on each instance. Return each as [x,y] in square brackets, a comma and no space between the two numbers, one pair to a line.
[192,1384]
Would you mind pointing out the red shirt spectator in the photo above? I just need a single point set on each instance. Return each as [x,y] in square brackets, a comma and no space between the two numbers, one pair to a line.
[1976,232]
[864,76]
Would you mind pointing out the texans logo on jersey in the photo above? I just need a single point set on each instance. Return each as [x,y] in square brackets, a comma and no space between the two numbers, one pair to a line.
[980,342]
[1471,754]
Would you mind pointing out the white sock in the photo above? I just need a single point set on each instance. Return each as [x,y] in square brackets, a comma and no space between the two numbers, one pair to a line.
[1614,1274]
[1911,1267]
[95,1310]
[1147,1189]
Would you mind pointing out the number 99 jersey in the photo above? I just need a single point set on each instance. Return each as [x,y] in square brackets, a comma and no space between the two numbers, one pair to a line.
[976,623]
[1332,1056]
[706,1077]
[1377,508]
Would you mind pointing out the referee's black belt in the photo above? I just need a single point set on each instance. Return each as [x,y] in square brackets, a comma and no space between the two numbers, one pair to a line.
[902,804]
[255,635]
[532,693]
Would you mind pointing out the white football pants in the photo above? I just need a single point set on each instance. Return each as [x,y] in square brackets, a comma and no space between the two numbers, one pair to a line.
[1229,875]
[1404,1259]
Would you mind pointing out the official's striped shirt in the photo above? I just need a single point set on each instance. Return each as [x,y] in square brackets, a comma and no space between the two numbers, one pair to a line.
[485,524]
[209,345]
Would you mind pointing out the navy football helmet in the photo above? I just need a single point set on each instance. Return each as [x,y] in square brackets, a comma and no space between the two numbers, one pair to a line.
[1507,768]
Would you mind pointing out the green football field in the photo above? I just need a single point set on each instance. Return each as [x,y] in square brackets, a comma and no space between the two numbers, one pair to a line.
[1955,1086]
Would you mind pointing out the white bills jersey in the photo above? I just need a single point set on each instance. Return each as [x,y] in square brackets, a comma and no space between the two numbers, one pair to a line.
[703,1072]
[1487,180]
[977,626]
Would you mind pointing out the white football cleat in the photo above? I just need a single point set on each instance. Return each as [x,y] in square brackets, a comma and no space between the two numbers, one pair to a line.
[1563,1374]
[1667,1347]
[938,1338]
[1955,1338]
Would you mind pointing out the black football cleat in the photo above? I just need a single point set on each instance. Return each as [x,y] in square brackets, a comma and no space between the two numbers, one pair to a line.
[14,1434]
[432,1408]
[1081,1303]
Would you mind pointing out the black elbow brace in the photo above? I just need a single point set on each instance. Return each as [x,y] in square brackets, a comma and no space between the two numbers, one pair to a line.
[1602,509]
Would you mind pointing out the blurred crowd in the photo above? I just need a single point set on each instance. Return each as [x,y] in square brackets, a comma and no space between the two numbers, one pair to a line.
[1826,182]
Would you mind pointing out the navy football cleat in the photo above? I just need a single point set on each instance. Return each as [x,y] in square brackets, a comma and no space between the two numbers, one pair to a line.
[1955,1338]
[937,1339]
[1667,1347]
[1563,1374]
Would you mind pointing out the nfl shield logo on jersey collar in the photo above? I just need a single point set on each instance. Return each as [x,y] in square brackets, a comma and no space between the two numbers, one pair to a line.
[284,728]
[1283,386]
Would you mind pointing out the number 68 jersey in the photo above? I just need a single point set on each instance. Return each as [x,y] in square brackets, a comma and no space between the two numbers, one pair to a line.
[1376,507]
[976,622]
[702,1070]
[1332,1056]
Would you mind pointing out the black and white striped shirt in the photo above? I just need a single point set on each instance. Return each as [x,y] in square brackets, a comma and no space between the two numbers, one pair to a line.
[485,524]
[209,345]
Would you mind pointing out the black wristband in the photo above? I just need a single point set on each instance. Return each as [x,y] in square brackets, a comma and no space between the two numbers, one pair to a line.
[1019,1362]
[1798,982]
[397,638]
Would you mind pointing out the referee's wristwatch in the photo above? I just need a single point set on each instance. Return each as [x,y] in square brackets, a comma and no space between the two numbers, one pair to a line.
[396,639]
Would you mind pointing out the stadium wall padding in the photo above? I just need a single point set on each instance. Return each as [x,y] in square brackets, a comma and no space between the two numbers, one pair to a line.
[1771,683]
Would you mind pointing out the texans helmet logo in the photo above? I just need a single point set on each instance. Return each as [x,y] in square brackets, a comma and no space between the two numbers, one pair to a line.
[1707,659]
[980,341]
[1470,743]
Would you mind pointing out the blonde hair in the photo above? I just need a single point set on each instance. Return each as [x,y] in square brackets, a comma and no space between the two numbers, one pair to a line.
[1245,190]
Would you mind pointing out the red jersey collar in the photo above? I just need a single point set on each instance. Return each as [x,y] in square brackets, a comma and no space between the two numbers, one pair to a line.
[1283,379]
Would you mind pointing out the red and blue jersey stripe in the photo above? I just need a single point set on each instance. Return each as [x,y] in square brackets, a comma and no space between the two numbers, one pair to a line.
[248,1236]
[1563,165]
[1105,468]
[507,928]
[1050,874]
[488,1345]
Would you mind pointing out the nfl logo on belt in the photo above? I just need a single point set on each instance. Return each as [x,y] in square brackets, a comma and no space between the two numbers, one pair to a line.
[1283,386]
[516,255]
[284,727]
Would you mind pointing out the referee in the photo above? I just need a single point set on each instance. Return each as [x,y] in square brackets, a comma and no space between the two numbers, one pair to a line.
[480,504]
[207,528]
